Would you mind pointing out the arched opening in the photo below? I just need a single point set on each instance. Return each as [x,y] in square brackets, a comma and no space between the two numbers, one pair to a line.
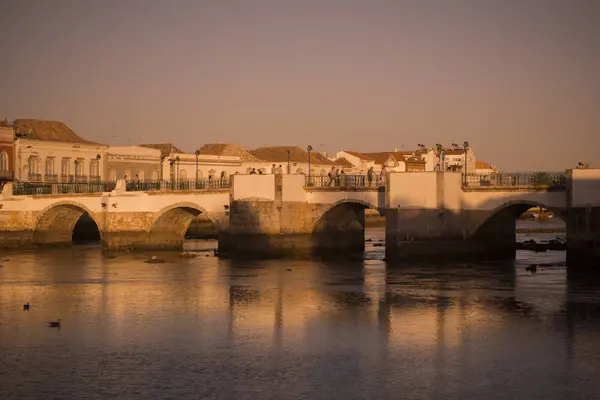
[85,230]
[65,224]
[176,224]
[342,229]
[523,225]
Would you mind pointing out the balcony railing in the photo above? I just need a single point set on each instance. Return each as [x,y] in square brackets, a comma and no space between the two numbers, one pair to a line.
[94,179]
[6,174]
[34,177]
[32,189]
[345,181]
[542,180]
[158,185]
[50,178]
[81,178]
[67,178]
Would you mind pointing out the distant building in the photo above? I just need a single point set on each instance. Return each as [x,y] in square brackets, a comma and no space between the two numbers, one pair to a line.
[134,162]
[360,162]
[294,156]
[7,153]
[211,161]
[481,167]
[49,151]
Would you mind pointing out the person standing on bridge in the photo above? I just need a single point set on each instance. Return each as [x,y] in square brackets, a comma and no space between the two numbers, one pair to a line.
[370,174]
[382,174]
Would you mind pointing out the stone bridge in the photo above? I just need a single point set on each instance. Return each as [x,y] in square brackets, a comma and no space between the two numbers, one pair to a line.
[428,214]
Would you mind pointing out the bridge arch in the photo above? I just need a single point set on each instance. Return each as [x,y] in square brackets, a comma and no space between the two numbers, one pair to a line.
[56,223]
[342,213]
[171,223]
[503,218]
[340,229]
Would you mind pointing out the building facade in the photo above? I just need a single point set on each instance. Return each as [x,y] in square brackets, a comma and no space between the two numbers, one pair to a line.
[132,163]
[292,159]
[7,153]
[49,151]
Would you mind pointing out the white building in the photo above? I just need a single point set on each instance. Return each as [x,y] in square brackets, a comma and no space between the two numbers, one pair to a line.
[134,162]
[49,151]
[292,159]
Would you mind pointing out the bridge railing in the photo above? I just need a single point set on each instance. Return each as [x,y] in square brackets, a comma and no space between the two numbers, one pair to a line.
[345,181]
[549,180]
[170,185]
[38,188]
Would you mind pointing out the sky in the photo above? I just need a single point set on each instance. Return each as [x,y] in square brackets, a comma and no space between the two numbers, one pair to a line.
[518,79]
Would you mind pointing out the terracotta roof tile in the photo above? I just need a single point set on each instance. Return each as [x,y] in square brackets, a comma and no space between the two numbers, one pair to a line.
[225,149]
[482,165]
[53,131]
[343,162]
[280,154]
[361,156]
[165,148]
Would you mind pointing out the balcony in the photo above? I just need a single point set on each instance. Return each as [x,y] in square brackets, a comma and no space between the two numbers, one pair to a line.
[50,178]
[66,178]
[81,178]
[6,174]
[34,177]
[94,178]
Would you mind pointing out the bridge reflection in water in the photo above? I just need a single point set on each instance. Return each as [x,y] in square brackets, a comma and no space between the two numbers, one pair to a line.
[287,329]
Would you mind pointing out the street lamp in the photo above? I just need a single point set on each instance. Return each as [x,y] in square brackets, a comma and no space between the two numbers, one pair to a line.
[177,159]
[197,155]
[98,157]
[440,154]
[309,149]
[466,147]
[289,154]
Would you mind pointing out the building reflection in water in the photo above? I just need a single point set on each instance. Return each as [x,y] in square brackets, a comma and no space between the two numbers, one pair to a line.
[447,325]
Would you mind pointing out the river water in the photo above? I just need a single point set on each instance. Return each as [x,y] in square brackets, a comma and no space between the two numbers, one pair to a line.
[206,328]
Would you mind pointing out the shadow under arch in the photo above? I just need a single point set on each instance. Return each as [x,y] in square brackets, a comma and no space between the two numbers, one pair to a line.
[169,227]
[56,223]
[340,230]
[498,228]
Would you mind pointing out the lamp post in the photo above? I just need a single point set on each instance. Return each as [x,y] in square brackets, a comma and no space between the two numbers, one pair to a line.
[177,160]
[197,155]
[308,150]
[440,154]
[98,175]
[289,154]
[466,147]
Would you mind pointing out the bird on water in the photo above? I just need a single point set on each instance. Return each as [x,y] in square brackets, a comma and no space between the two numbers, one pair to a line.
[54,324]
[26,307]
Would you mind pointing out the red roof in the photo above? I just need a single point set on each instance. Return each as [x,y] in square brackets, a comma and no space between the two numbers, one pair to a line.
[361,156]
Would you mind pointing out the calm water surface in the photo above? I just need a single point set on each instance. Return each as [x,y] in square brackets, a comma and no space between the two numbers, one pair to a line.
[205,328]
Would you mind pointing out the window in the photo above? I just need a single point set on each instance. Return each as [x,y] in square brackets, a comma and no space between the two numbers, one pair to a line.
[49,165]
[94,168]
[112,173]
[141,175]
[79,167]
[65,166]
[183,174]
[127,174]
[33,164]
[4,161]
[155,175]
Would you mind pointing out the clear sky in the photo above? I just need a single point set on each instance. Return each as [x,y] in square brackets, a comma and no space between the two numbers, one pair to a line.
[518,79]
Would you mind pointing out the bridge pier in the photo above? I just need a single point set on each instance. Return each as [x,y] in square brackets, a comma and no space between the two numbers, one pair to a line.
[283,224]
